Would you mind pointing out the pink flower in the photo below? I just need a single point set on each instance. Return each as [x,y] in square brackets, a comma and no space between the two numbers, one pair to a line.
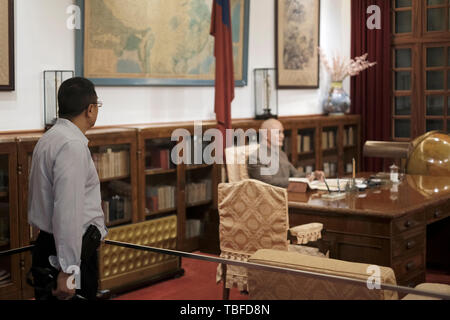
[340,68]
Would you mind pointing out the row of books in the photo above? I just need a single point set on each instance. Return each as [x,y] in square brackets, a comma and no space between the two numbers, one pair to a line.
[306,169]
[116,208]
[193,228]
[198,192]
[304,143]
[330,169]
[112,164]
[160,198]
[328,140]
[349,138]
[159,158]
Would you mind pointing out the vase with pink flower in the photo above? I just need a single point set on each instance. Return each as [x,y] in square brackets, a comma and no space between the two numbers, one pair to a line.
[337,101]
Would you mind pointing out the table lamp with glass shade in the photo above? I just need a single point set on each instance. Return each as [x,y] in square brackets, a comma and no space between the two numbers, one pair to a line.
[266,94]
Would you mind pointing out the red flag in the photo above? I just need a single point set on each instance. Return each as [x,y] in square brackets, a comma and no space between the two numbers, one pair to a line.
[223,51]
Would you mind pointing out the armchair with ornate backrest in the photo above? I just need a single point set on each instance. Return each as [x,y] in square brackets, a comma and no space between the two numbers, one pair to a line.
[254,216]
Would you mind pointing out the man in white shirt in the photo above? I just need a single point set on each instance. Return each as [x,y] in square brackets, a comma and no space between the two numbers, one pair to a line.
[64,192]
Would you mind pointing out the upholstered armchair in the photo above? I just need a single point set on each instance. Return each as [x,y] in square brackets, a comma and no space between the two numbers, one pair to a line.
[254,215]
[268,285]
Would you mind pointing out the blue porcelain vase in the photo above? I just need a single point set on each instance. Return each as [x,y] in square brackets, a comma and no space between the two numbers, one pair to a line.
[338,101]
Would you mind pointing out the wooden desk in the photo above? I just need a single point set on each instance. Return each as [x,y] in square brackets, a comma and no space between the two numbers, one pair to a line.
[385,226]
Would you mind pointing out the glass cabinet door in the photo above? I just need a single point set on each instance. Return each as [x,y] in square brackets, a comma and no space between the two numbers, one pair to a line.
[161,178]
[329,146]
[9,265]
[113,167]
[5,266]
[306,153]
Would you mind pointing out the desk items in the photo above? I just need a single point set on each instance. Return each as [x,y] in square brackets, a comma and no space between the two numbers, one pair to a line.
[305,184]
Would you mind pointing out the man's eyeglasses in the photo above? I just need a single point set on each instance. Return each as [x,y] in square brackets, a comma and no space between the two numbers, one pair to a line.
[99,104]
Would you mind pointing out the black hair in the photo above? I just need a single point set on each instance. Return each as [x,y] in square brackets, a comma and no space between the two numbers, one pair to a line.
[74,96]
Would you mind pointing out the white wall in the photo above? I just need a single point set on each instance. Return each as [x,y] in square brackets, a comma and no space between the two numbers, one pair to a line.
[44,43]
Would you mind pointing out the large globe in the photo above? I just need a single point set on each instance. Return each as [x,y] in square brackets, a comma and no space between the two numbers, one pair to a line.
[430,155]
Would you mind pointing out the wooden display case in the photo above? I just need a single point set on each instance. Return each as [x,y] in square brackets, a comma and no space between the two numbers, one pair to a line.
[10,268]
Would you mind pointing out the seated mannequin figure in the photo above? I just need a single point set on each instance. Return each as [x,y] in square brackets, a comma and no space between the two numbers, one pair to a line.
[273,142]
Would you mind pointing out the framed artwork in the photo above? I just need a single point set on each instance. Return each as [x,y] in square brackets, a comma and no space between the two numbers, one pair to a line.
[297,41]
[155,43]
[7,45]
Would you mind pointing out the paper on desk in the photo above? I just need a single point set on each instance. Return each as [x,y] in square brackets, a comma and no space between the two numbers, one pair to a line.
[321,186]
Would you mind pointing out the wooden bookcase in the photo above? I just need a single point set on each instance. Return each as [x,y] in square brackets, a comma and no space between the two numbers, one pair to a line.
[192,188]
[120,181]
[191,222]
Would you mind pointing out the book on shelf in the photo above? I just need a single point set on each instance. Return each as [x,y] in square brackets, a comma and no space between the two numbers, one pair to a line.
[330,169]
[193,228]
[306,144]
[331,140]
[324,140]
[326,169]
[349,168]
[112,164]
[349,139]
[299,143]
[160,198]
[159,158]
[333,169]
[116,208]
[198,192]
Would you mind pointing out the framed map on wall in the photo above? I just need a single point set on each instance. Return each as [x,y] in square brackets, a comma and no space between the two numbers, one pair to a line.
[297,42]
[155,42]
[6,45]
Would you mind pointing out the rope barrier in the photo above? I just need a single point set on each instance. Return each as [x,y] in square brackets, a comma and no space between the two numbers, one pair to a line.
[310,274]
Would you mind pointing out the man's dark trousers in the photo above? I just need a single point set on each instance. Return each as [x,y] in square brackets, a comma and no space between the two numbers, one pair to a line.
[44,248]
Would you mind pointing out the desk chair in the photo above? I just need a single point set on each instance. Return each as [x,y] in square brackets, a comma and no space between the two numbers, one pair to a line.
[254,215]
[266,285]
[236,161]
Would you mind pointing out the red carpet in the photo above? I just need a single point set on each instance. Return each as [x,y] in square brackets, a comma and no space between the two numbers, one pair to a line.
[198,283]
